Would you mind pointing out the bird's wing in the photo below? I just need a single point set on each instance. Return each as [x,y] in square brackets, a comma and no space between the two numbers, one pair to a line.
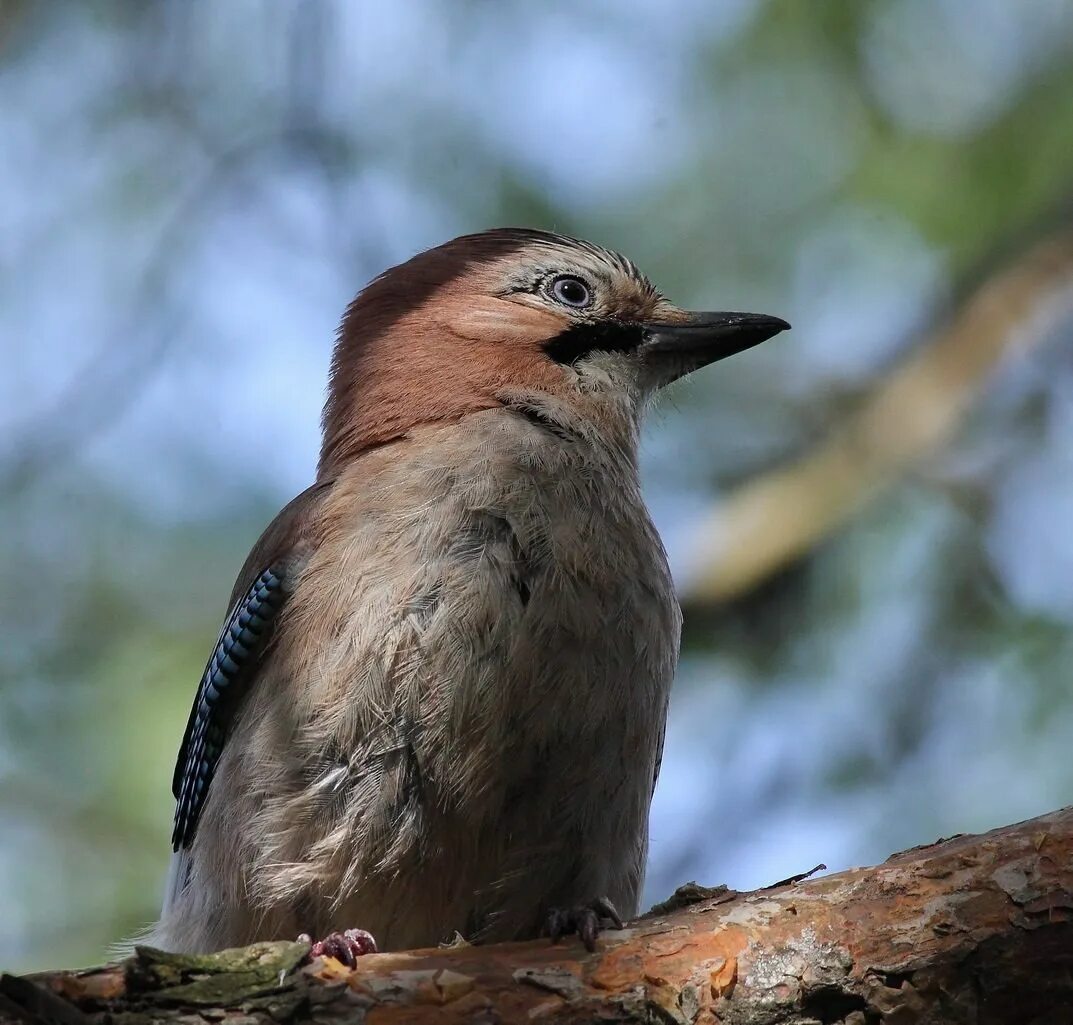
[260,592]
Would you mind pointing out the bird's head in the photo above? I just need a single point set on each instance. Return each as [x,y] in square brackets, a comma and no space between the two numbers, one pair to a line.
[513,317]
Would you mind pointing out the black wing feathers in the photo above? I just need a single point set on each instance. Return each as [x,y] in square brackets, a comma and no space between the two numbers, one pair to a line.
[226,679]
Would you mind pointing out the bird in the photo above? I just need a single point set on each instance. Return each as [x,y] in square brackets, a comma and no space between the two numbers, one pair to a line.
[437,704]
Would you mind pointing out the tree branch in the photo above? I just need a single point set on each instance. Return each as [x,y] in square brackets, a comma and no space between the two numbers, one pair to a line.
[975,929]
[774,519]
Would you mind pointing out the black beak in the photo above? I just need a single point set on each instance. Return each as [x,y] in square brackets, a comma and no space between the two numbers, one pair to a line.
[679,348]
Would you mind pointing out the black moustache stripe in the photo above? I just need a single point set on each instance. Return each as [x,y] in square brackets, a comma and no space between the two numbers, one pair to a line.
[582,339]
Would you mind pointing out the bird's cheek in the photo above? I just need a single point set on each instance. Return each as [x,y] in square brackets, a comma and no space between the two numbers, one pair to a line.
[498,320]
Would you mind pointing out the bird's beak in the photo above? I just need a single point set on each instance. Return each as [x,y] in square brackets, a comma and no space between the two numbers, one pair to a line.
[674,349]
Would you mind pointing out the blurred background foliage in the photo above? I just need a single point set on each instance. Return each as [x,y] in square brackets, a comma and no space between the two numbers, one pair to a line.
[193,192]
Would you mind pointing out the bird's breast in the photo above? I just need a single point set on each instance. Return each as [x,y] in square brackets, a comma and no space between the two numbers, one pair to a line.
[499,605]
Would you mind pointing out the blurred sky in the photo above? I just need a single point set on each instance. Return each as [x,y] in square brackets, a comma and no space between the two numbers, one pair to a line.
[193,192]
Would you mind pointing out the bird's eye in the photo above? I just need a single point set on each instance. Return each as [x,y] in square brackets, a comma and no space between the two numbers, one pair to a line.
[570,291]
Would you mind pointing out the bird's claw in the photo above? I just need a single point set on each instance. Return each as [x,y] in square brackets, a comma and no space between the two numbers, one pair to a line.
[346,946]
[586,920]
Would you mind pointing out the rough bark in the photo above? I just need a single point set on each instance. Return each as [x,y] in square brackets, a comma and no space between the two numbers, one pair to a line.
[974,929]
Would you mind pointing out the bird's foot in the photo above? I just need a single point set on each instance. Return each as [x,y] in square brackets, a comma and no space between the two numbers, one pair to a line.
[346,946]
[585,919]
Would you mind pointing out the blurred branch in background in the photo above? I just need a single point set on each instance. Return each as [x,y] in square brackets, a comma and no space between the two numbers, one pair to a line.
[772,520]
